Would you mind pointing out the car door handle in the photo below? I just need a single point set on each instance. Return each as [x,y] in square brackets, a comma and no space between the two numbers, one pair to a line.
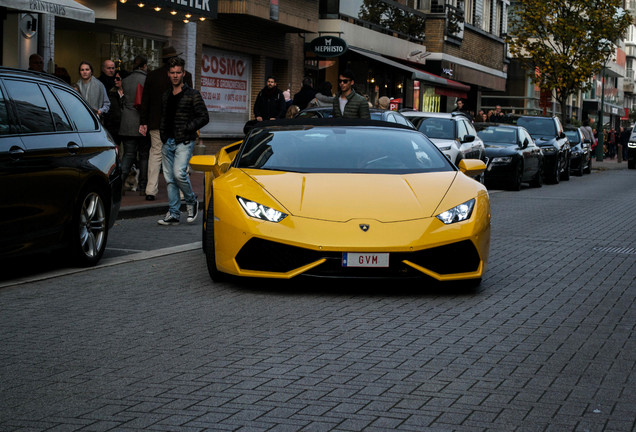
[16,153]
[73,148]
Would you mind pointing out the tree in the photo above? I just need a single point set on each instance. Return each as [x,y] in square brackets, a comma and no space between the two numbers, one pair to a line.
[565,42]
[392,15]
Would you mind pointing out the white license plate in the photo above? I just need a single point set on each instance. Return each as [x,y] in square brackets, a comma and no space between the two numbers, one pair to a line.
[365,259]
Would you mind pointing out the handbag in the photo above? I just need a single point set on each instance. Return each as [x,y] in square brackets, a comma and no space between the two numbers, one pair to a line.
[140,92]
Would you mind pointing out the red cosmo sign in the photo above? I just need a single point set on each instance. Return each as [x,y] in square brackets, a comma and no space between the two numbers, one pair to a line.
[225,81]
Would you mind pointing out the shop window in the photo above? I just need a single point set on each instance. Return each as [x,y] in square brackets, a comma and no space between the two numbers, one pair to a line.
[124,48]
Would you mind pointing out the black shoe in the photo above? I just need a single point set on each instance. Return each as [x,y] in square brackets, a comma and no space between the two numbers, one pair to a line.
[168,219]
[193,212]
[150,197]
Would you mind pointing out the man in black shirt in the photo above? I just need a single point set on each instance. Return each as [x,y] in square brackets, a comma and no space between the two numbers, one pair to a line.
[183,113]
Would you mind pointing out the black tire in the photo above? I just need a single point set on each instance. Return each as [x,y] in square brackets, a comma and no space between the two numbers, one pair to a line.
[537,181]
[566,172]
[588,170]
[208,244]
[517,177]
[555,176]
[579,172]
[89,229]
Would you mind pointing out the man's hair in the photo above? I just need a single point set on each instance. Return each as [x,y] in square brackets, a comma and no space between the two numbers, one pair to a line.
[307,81]
[271,77]
[347,73]
[139,62]
[176,61]
[85,63]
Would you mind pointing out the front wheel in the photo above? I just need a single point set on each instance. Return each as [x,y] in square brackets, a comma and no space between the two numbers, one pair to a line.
[517,177]
[90,229]
[566,172]
[208,244]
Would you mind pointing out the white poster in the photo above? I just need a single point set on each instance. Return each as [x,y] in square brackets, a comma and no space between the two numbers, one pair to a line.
[225,81]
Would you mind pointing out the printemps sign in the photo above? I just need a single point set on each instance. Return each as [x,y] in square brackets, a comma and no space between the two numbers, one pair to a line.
[328,46]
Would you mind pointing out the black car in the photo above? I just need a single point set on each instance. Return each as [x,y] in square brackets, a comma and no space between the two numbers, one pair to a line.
[580,151]
[631,150]
[376,114]
[60,177]
[548,134]
[513,157]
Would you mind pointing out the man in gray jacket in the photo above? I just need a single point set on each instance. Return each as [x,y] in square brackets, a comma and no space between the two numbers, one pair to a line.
[349,104]
[136,146]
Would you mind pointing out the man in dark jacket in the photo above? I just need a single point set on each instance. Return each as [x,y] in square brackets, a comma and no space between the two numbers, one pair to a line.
[348,103]
[306,94]
[183,113]
[108,74]
[270,102]
[157,83]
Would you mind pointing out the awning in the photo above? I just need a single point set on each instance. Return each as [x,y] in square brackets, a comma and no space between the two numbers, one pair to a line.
[62,8]
[416,74]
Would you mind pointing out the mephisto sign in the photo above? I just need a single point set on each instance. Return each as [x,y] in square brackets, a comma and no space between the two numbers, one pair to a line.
[328,46]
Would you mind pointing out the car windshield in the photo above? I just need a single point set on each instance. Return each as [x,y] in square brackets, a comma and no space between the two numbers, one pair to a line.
[498,135]
[573,136]
[437,128]
[539,126]
[341,149]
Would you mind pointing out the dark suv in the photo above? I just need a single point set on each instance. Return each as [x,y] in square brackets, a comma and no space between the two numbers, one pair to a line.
[548,134]
[60,177]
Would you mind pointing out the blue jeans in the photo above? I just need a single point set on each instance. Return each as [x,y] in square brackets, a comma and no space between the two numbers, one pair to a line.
[175,159]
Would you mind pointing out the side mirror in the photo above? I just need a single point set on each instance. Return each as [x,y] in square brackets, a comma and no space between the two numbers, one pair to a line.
[468,138]
[525,143]
[472,167]
[203,162]
[562,134]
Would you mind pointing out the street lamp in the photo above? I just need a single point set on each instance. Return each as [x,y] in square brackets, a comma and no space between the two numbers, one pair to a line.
[599,147]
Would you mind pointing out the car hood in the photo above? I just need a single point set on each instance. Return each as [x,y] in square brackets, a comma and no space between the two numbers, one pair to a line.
[443,142]
[342,197]
[545,141]
[500,150]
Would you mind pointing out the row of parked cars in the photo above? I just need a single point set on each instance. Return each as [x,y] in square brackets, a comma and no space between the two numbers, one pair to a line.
[534,150]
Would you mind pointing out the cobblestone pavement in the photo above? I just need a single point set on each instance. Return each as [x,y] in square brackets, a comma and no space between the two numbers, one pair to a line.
[548,344]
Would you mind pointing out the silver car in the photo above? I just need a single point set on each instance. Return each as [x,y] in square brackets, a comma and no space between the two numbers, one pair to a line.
[453,133]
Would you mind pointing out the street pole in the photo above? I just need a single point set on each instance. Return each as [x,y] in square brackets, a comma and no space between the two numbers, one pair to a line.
[599,146]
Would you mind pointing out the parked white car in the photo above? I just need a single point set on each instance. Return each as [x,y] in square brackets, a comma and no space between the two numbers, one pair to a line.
[453,133]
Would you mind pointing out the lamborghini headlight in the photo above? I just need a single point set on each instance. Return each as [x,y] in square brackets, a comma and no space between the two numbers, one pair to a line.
[457,214]
[259,211]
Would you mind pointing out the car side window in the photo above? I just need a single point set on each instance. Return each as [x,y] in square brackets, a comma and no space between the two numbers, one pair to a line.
[77,111]
[33,112]
[59,118]
[5,128]
[462,131]
[401,120]
[470,128]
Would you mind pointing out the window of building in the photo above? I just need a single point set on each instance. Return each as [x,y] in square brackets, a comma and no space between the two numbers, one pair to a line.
[469,11]
[486,15]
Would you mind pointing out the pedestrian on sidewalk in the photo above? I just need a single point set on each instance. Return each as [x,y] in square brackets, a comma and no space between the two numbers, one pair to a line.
[157,83]
[183,113]
[349,104]
[136,146]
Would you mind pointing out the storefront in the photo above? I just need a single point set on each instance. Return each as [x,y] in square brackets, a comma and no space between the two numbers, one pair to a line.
[377,75]
[28,27]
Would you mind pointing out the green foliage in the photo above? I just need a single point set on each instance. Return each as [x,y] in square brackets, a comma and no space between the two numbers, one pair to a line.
[393,18]
[566,41]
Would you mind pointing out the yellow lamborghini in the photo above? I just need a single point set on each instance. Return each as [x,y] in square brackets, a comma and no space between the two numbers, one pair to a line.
[339,198]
